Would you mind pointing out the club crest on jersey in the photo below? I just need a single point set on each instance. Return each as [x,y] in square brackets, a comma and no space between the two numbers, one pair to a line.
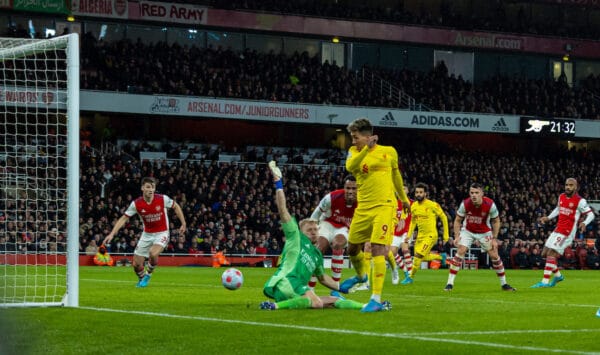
[143,210]
[571,204]
[365,169]
[157,208]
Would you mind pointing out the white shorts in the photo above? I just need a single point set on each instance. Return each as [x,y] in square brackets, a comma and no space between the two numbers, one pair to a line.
[148,240]
[467,238]
[328,231]
[559,242]
[398,240]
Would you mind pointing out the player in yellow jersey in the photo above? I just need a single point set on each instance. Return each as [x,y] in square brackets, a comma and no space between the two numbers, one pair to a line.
[424,214]
[378,182]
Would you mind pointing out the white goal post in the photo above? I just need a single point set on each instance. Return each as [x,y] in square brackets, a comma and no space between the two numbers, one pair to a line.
[39,172]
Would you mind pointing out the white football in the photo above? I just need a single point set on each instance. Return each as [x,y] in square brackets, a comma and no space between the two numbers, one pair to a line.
[232,279]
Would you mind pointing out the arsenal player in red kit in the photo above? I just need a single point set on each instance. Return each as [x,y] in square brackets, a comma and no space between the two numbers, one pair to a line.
[334,213]
[571,207]
[477,219]
[152,208]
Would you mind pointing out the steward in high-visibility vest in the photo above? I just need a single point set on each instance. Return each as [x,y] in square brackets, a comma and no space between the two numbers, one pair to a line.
[103,258]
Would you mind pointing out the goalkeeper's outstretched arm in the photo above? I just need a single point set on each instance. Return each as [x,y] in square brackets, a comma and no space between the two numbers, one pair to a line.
[284,214]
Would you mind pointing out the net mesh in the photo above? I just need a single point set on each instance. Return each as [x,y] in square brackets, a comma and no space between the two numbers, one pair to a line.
[33,171]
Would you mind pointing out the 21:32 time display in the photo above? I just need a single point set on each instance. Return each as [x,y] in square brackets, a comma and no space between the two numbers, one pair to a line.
[547,127]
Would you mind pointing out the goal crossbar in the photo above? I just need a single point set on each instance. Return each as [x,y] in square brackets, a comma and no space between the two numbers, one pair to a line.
[35,47]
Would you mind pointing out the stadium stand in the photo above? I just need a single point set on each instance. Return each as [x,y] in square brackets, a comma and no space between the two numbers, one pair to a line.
[129,66]
[229,205]
[528,17]
[225,191]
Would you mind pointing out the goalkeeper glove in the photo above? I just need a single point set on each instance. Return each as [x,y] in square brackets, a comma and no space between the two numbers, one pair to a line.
[277,174]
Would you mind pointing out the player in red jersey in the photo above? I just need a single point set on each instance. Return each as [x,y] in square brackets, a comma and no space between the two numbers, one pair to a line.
[334,214]
[472,223]
[152,208]
[571,207]
[400,242]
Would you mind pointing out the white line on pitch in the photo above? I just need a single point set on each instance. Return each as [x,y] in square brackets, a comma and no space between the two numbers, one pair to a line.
[460,299]
[412,336]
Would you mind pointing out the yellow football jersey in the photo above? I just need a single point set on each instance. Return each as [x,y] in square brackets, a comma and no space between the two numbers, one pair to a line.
[373,173]
[424,217]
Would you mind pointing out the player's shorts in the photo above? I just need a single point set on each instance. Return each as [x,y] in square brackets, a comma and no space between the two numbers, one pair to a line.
[485,239]
[423,244]
[329,231]
[285,289]
[375,225]
[559,242]
[399,239]
[148,240]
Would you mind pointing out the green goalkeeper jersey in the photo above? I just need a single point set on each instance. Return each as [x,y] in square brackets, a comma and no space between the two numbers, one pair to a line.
[300,259]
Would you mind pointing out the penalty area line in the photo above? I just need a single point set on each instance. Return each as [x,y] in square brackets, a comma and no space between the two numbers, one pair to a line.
[411,336]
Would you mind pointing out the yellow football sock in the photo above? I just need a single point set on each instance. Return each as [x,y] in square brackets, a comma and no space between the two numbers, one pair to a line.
[378,274]
[392,260]
[359,261]
[367,264]
[416,265]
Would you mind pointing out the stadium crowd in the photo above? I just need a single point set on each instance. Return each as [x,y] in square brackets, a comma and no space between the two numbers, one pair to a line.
[520,17]
[494,16]
[160,68]
[229,206]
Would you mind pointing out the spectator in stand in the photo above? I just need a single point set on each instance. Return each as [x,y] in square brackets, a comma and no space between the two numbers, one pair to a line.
[593,259]
[522,258]
[535,259]
[92,248]
[274,248]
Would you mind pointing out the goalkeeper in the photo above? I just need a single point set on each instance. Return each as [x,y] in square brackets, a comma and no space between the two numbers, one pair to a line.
[300,259]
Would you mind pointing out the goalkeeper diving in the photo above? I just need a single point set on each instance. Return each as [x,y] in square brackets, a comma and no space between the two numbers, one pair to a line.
[300,259]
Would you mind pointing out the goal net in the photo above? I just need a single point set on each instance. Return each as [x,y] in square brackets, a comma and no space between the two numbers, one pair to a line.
[39,171]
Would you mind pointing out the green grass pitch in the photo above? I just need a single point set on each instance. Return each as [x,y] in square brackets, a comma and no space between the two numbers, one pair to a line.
[185,310]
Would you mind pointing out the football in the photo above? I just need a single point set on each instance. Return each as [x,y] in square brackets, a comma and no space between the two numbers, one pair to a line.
[232,279]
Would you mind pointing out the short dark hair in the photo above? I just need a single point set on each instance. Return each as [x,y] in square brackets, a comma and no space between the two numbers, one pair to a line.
[362,125]
[476,185]
[421,185]
[349,178]
[148,180]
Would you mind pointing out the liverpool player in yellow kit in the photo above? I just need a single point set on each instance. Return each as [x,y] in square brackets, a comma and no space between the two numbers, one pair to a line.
[378,182]
[424,214]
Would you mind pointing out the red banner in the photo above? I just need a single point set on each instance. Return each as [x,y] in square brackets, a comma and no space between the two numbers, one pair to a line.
[401,33]
[167,12]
